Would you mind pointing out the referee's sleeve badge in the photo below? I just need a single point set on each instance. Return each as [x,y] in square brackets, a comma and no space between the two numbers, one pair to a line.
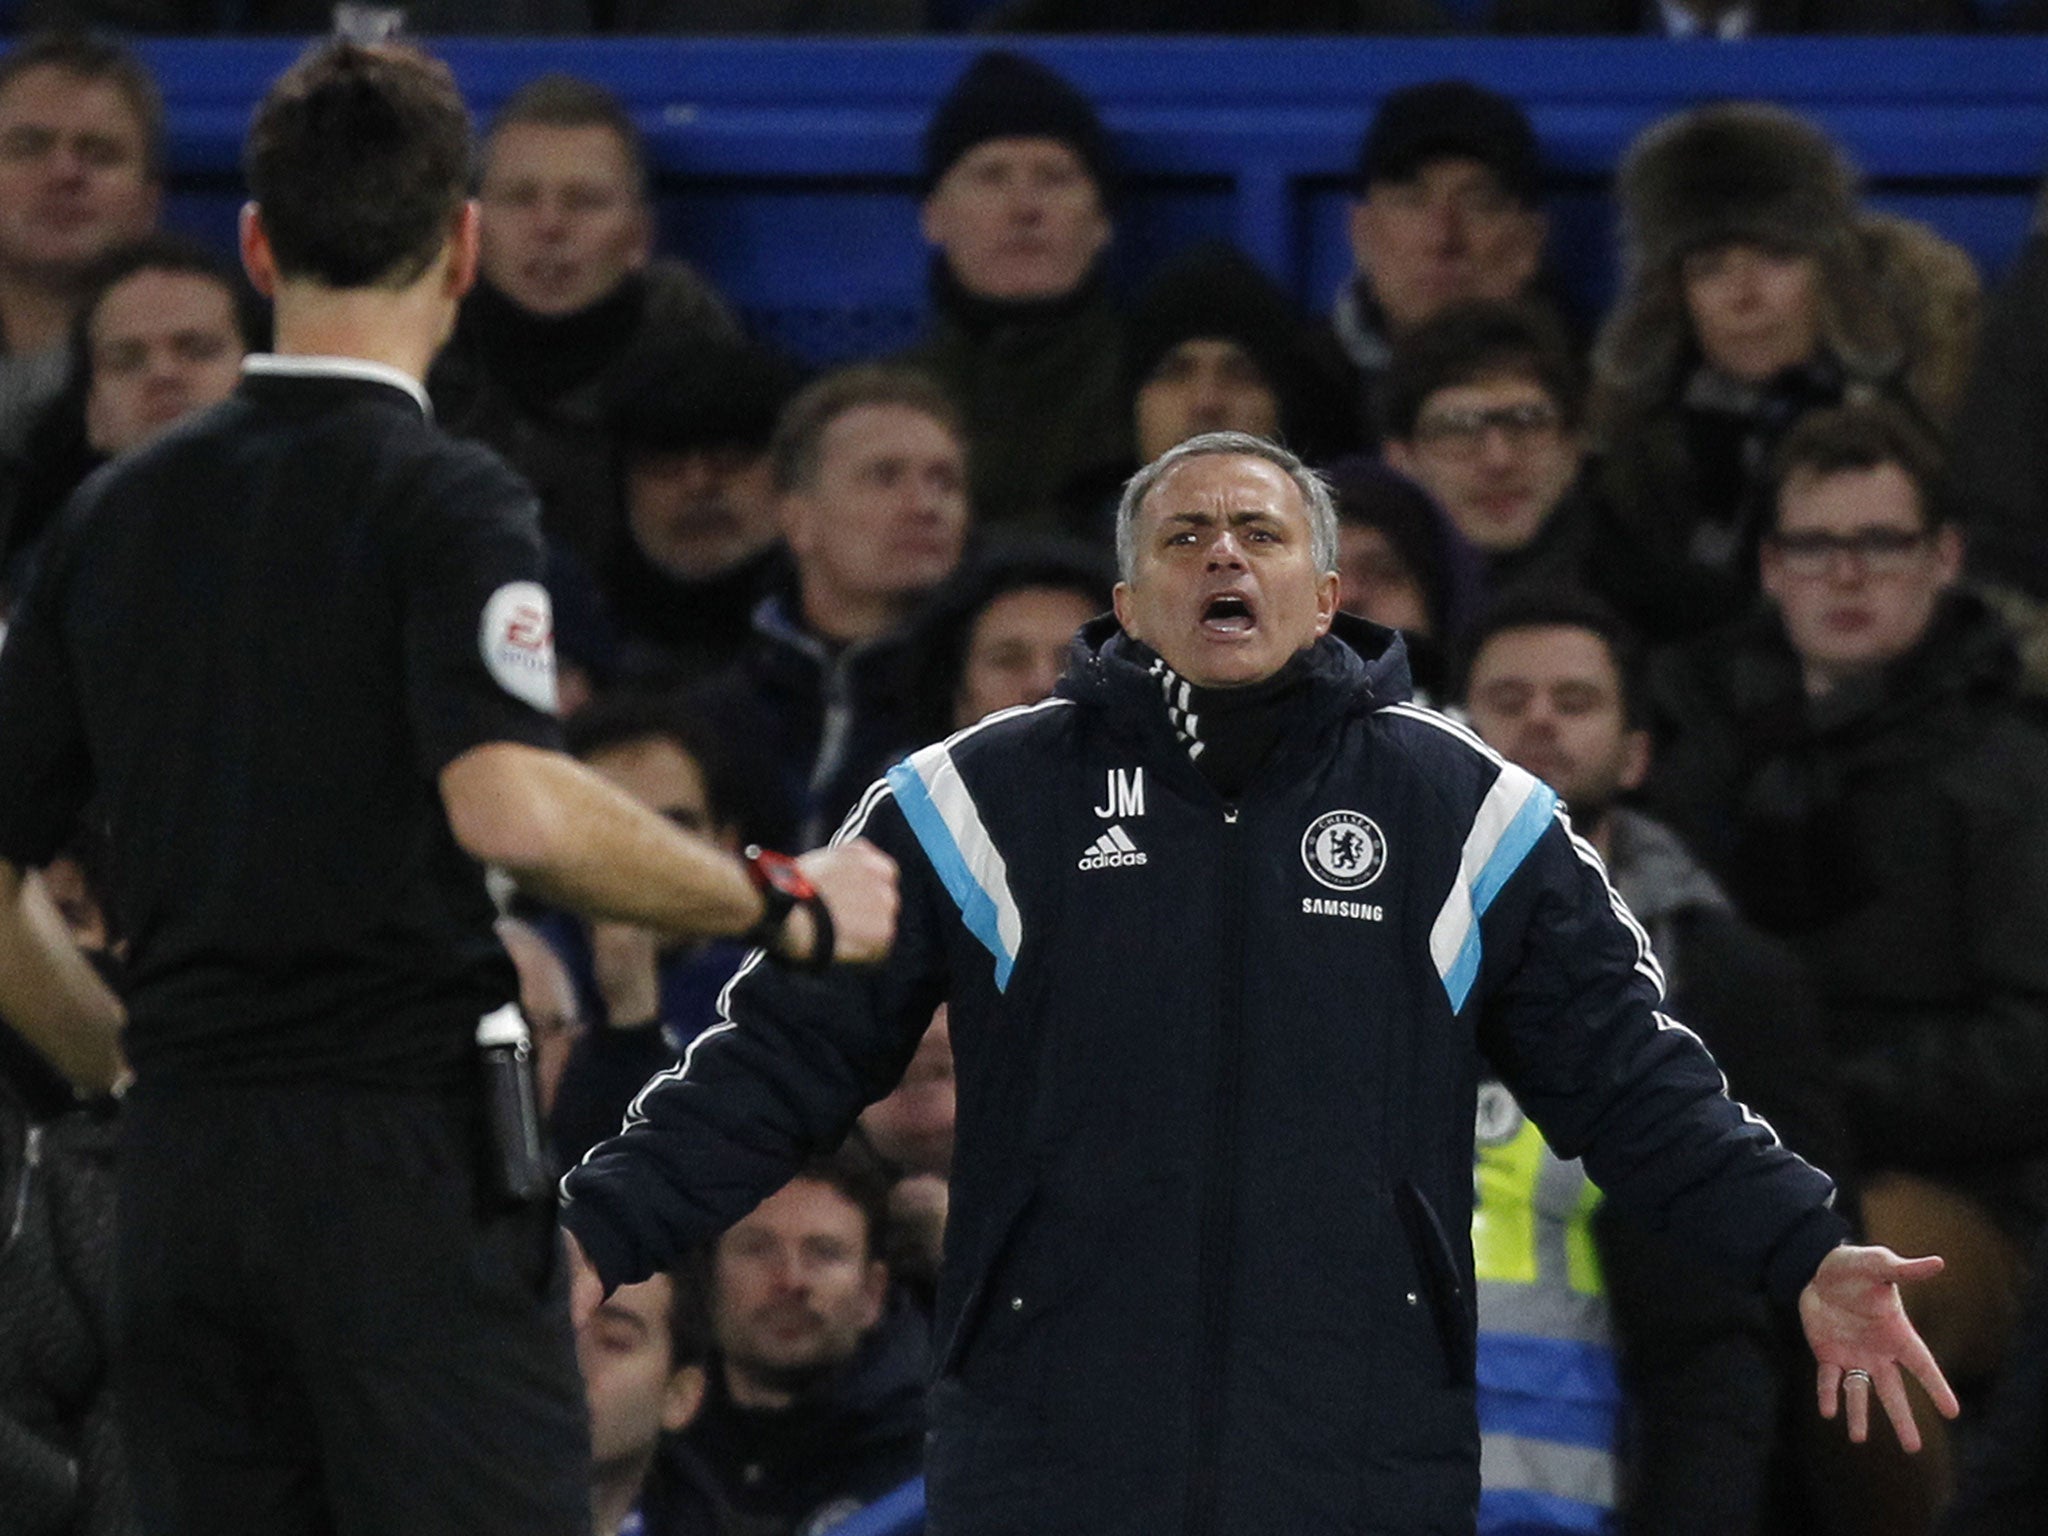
[518,642]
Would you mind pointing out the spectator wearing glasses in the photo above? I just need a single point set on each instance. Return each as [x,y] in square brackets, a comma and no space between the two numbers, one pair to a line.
[1483,408]
[1857,765]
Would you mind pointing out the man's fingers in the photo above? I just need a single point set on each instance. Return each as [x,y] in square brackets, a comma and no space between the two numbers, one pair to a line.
[1891,1387]
[1907,1270]
[1828,1382]
[1856,1393]
[1927,1370]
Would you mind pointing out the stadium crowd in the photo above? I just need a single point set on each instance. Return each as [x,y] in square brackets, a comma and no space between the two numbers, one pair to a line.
[1753,569]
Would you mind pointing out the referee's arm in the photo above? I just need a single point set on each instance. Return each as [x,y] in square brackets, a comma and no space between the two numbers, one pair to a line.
[574,839]
[48,991]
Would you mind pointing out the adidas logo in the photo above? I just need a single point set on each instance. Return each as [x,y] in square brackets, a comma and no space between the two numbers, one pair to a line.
[1113,850]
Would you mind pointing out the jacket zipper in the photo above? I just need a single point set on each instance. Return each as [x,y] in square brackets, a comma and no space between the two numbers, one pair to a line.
[1219,1197]
[833,738]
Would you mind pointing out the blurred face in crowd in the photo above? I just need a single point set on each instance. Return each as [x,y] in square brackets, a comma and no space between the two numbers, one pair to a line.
[564,222]
[1855,570]
[633,1387]
[882,520]
[1018,218]
[913,1126]
[664,778]
[667,780]
[1497,456]
[159,345]
[795,1288]
[1017,649]
[1450,234]
[1755,312]
[74,173]
[1224,585]
[1376,583]
[1549,699]
[697,514]
[1205,384]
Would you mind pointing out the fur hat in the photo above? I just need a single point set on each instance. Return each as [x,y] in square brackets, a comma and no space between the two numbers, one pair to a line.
[1735,171]
[1005,95]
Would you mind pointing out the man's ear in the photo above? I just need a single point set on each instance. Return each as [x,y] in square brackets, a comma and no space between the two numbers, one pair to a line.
[681,1399]
[465,242]
[1326,602]
[1635,759]
[1120,604]
[258,260]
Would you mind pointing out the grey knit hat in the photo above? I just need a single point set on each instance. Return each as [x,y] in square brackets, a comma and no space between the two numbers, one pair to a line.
[1735,171]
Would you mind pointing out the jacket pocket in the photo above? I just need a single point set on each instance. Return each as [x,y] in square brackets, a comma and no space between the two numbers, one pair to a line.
[1448,1302]
[987,1284]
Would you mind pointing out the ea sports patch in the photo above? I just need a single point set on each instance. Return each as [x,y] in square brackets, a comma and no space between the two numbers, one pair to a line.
[1344,850]
[518,640]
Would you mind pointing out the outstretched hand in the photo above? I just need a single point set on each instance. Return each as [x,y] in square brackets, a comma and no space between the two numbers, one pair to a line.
[1855,1323]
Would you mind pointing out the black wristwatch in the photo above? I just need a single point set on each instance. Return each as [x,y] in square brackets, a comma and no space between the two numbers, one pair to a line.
[784,888]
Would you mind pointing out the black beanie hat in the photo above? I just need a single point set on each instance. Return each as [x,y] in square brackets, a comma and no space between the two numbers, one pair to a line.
[1214,292]
[682,400]
[1452,118]
[1008,96]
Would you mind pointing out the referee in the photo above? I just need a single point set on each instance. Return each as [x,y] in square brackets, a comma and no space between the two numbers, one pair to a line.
[296,657]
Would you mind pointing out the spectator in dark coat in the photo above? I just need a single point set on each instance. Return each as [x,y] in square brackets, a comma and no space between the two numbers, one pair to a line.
[1449,210]
[701,544]
[160,333]
[1755,290]
[1858,767]
[645,1357]
[568,295]
[2000,462]
[1555,684]
[816,1399]
[1484,408]
[1017,187]
[871,474]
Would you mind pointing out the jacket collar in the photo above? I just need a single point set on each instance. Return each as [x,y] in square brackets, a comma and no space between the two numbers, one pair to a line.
[1356,668]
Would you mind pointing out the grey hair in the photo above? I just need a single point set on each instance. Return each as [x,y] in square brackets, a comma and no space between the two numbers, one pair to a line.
[1317,500]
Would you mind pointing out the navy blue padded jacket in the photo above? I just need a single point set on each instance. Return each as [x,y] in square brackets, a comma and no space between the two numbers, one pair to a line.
[1208,1267]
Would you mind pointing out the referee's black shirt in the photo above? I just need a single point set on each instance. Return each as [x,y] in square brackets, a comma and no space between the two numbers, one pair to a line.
[251,647]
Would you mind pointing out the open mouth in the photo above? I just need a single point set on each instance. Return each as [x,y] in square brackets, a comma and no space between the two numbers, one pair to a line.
[1227,614]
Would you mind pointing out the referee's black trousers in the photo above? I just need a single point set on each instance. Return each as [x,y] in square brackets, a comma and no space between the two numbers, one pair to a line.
[320,1328]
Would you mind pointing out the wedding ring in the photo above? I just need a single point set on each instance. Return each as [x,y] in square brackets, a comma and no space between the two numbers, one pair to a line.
[1857,1375]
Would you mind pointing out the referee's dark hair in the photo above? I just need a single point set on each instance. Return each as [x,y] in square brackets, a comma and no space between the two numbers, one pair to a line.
[84,56]
[358,160]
